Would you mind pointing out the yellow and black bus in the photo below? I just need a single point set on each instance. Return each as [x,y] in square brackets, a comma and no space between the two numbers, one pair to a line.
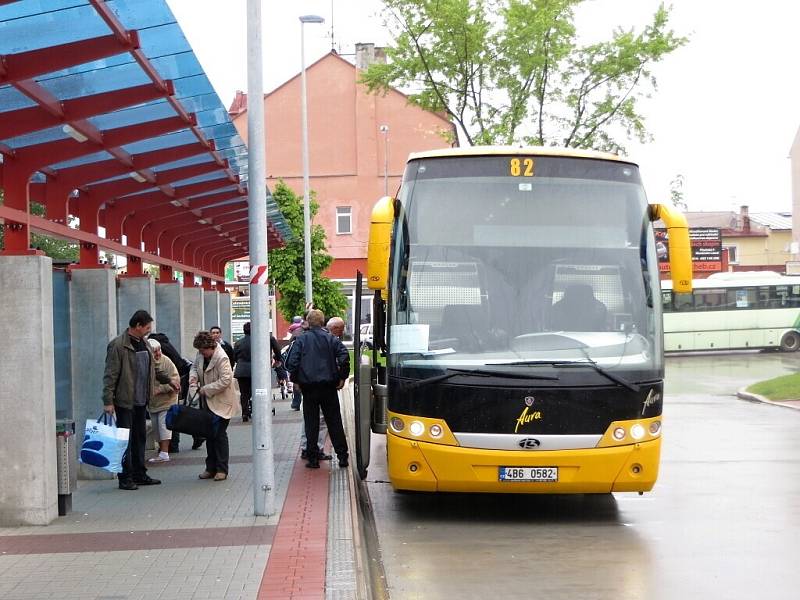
[518,309]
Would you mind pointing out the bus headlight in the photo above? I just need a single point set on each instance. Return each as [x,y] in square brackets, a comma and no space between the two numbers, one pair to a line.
[416,428]
[436,431]
[619,433]
[637,431]
[655,427]
[397,424]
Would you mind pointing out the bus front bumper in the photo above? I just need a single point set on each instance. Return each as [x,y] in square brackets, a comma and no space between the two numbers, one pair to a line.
[424,466]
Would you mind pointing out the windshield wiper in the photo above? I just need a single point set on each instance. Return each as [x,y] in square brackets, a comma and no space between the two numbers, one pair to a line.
[579,363]
[477,373]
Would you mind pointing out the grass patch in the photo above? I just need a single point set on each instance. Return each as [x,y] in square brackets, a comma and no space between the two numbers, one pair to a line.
[786,387]
[381,359]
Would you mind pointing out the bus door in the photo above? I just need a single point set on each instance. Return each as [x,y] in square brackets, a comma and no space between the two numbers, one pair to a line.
[362,390]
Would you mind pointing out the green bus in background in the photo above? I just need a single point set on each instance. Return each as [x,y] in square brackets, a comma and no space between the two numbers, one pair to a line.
[726,311]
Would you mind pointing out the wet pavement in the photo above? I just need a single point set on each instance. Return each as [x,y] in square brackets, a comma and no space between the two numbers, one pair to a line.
[722,522]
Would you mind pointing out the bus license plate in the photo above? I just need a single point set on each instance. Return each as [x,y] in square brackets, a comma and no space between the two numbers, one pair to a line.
[529,474]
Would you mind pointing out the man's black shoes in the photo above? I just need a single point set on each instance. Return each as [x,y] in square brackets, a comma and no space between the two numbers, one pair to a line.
[146,480]
[312,464]
[343,463]
[197,443]
[127,484]
[321,455]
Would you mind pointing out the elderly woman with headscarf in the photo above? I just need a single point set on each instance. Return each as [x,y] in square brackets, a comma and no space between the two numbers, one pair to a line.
[211,377]
[164,396]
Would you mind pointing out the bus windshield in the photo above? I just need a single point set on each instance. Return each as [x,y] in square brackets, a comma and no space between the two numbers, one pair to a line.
[493,267]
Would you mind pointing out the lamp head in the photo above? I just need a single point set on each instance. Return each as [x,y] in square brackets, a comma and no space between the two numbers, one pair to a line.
[311,19]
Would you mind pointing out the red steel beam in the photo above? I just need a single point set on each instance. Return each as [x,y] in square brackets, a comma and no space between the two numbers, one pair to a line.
[84,174]
[116,26]
[221,211]
[233,217]
[219,259]
[120,211]
[207,255]
[62,231]
[27,65]
[125,187]
[181,243]
[48,153]
[36,118]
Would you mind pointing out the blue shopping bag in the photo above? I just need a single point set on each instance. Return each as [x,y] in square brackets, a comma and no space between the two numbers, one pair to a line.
[104,444]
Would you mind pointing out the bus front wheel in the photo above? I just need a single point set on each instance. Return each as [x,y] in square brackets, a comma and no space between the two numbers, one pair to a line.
[790,341]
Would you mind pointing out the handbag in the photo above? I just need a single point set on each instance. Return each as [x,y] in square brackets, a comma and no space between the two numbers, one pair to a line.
[104,444]
[184,418]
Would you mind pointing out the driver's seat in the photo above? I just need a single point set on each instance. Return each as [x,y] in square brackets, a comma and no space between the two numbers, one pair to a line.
[579,310]
[467,324]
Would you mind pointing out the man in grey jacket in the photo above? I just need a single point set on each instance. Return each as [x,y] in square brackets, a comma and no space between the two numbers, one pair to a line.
[128,382]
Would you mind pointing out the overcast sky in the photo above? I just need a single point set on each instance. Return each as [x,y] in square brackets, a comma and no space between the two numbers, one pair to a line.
[725,114]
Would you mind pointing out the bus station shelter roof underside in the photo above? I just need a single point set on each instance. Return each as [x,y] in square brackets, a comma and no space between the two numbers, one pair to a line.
[107,120]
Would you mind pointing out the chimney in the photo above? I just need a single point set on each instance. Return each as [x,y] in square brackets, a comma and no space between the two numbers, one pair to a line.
[239,104]
[368,54]
[745,213]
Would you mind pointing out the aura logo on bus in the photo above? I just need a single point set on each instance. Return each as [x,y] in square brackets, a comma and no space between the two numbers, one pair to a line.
[652,397]
[527,416]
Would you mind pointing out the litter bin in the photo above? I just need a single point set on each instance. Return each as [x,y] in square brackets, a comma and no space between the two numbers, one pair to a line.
[66,464]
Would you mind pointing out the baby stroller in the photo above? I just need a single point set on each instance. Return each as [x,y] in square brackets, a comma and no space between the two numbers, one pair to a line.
[282,376]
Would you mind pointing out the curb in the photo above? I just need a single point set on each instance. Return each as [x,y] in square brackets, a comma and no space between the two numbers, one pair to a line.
[751,397]
[370,576]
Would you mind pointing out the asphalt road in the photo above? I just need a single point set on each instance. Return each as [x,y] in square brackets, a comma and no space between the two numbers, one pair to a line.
[722,522]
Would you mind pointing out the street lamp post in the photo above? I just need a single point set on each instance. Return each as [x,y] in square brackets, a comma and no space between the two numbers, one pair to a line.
[384,129]
[306,192]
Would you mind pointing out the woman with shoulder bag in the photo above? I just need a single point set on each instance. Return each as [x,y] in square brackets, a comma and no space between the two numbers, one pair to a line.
[211,378]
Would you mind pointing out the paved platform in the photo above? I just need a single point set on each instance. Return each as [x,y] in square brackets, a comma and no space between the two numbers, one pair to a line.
[195,539]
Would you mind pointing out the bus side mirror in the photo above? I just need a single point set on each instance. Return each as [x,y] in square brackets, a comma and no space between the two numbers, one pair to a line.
[680,253]
[380,242]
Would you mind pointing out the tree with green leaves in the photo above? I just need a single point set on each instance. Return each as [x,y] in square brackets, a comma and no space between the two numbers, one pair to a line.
[287,264]
[676,193]
[514,71]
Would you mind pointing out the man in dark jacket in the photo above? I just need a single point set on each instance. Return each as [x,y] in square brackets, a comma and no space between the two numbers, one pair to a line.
[319,362]
[243,371]
[216,333]
[128,383]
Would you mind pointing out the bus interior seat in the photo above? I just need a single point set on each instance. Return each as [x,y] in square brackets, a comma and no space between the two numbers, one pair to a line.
[466,324]
[579,310]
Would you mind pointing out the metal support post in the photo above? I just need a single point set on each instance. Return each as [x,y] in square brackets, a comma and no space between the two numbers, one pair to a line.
[263,458]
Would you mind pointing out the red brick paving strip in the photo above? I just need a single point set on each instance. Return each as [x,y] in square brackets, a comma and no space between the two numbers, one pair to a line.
[108,541]
[296,565]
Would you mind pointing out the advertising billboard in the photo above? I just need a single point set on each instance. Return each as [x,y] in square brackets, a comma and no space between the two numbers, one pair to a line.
[706,244]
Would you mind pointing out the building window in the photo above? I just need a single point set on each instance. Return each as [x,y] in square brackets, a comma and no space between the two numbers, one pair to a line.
[344,219]
[733,254]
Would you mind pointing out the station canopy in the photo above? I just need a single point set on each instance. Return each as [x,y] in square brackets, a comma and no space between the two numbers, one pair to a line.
[107,119]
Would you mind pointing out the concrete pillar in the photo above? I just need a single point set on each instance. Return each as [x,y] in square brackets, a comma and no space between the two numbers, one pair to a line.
[135,293]
[211,310]
[169,306]
[93,323]
[193,318]
[225,316]
[28,492]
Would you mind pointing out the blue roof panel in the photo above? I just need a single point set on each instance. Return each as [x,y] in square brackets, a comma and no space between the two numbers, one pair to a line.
[28,25]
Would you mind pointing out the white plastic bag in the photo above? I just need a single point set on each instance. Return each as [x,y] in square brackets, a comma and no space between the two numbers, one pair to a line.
[104,444]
